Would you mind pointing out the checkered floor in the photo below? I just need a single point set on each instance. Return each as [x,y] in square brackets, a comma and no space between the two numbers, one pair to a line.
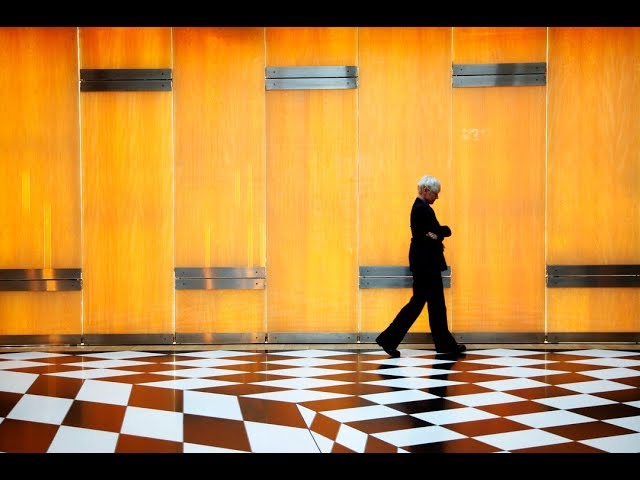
[496,400]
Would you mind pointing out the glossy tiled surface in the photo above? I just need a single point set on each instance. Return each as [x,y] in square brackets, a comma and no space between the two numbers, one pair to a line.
[494,400]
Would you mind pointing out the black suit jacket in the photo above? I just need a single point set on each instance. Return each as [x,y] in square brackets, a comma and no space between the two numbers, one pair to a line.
[425,253]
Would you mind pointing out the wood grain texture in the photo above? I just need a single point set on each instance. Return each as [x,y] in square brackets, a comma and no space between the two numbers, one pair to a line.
[39,173]
[593,169]
[125,47]
[312,261]
[499,44]
[219,102]
[497,246]
[404,133]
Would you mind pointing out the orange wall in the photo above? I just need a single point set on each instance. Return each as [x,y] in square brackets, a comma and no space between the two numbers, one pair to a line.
[311,184]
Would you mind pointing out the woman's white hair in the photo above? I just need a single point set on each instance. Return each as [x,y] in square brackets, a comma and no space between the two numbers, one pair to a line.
[429,183]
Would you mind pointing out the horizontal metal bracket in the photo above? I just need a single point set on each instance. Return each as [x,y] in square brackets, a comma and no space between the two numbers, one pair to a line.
[40,279]
[125,79]
[499,74]
[311,78]
[220,278]
[593,275]
[392,276]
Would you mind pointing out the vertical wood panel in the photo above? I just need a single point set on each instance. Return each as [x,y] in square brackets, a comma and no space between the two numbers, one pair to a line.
[220,171]
[39,173]
[594,171]
[125,47]
[497,250]
[127,181]
[404,133]
[311,189]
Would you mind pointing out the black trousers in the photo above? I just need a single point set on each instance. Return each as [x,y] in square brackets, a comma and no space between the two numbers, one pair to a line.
[427,289]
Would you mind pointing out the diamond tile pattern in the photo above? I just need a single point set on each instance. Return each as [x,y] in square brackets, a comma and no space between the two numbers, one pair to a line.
[497,400]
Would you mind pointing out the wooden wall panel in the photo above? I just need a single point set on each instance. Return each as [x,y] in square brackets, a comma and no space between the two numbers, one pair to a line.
[499,44]
[404,133]
[219,94]
[497,249]
[593,172]
[39,174]
[312,260]
[127,208]
[125,47]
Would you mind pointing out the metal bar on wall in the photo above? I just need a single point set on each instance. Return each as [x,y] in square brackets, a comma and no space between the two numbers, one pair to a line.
[40,279]
[220,278]
[125,79]
[392,276]
[499,74]
[311,78]
[593,276]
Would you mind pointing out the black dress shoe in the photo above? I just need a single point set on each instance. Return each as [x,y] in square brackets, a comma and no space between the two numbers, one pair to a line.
[459,348]
[392,352]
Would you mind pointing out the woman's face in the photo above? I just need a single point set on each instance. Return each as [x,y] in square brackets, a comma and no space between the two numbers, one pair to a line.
[430,196]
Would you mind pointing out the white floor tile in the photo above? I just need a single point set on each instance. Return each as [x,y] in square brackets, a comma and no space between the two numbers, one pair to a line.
[519,372]
[386,398]
[618,444]
[595,386]
[311,353]
[412,371]
[609,362]
[297,395]
[308,362]
[88,373]
[631,423]
[212,405]
[145,422]
[300,383]
[107,363]
[612,373]
[14,364]
[511,384]
[352,439]
[207,362]
[113,393]
[357,414]
[16,382]
[418,436]
[454,415]
[198,372]
[268,438]
[307,414]
[214,354]
[415,383]
[553,418]
[511,361]
[304,372]
[409,361]
[188,383]
[485,398]
[506,352]
[38,408]
[568,402]
[120,355]
[325,445]
[513,441]
[82,440]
